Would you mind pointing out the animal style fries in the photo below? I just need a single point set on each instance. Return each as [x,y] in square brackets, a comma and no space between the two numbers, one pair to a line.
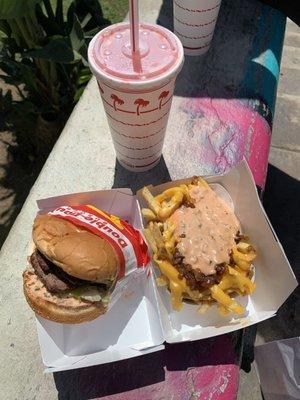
[196,243]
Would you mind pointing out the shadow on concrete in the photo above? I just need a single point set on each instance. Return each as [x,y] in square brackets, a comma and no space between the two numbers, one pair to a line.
[112,378]
[16,179]
[134,373]
[234,66]
[288,7]
[281,202]
[134,181]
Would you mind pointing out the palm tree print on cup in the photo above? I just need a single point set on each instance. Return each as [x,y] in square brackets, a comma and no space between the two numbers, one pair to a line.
[116,100]
[162,96]
[100,88]
[140,103]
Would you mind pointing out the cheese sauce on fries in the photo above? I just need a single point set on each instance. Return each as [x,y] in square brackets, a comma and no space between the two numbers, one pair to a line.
[197,246]
[206,232]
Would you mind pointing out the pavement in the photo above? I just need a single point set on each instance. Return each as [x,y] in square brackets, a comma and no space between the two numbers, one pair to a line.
[87,135]
[282,192]
[285,146]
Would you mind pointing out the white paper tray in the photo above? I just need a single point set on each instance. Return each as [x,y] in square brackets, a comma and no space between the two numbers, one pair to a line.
[143,320]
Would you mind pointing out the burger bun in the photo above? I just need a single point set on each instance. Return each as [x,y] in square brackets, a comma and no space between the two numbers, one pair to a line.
[77,251]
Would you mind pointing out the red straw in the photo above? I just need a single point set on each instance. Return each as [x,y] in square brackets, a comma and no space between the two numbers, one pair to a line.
[134,25]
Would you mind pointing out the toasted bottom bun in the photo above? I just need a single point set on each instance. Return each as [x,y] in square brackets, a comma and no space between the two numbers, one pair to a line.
[67,310]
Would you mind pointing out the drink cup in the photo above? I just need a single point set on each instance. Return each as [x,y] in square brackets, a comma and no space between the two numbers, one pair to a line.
[194,24]
[136,91]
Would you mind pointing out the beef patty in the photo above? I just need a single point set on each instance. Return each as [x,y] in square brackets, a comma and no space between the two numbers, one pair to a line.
[53,277]
[195,279]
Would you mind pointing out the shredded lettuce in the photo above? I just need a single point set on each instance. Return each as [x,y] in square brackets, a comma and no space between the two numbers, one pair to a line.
[105,300]
[89,292]
[108,282]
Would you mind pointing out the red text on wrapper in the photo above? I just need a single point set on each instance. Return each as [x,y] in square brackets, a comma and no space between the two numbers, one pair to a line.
[127,241]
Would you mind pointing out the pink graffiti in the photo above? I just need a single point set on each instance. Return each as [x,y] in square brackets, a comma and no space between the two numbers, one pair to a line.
[223,131]
[218,382]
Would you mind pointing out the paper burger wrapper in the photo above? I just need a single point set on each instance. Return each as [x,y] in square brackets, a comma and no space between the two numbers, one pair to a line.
[127,241]
[194,24]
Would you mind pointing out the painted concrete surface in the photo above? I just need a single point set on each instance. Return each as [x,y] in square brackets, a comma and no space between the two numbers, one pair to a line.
[249,388]
[219,102]
[83,159]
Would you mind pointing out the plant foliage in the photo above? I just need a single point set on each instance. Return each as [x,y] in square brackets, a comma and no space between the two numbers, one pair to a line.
[43,53]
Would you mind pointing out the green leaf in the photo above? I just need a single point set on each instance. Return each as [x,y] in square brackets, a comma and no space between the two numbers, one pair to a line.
[77,39]
[18,73]
[49,10]
[16,8]
[85,20]
[84,79]
[8,79]
[4,27]
[90,34]
[77,35]
[70,17]
[94,8]
[5,99]
[78,93]
[59,16]
[49,24]
[9,44]
[88,292]
[57,50]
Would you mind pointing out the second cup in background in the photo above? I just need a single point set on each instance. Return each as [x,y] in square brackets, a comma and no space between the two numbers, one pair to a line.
[194,24]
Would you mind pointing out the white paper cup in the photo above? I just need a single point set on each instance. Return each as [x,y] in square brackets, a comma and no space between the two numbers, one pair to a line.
[137,110]
[194,24]
[138,122]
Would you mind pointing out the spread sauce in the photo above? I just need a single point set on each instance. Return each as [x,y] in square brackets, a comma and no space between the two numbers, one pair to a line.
[63,300]
[205,233]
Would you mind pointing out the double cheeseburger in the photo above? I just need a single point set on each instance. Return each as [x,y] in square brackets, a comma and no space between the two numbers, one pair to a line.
[72,272]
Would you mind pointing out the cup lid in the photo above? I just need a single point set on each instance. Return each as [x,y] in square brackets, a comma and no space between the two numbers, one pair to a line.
[158,53]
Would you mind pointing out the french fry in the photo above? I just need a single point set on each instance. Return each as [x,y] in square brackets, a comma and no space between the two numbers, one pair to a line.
[225,301]
[170,247]
[150,239]
[162,280]
[187,198]
[243,260]
[223,310]
[158,237]
[172,199]
[244,247]
[152,202]
[203,308]
[149,214]
[234,280]
[169,238]
[198,181]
